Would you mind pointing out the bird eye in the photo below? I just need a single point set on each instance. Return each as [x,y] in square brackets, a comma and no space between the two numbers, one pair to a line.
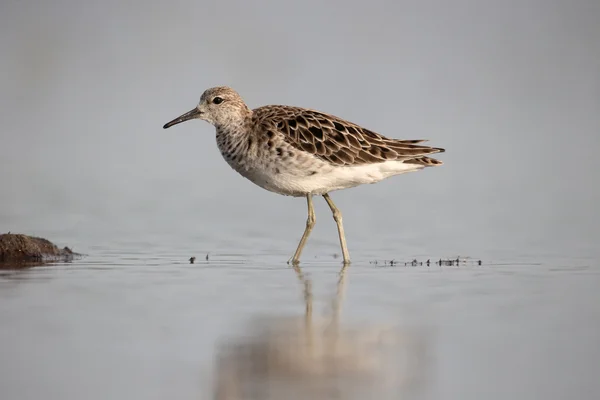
[217,100]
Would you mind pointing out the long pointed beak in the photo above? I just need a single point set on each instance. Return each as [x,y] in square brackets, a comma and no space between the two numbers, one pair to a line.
[182,118]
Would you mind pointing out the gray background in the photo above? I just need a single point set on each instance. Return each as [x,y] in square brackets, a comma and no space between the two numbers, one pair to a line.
[511,89]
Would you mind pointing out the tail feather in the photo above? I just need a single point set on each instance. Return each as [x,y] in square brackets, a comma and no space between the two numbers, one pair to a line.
[412,153]
[425,161]
[411,141]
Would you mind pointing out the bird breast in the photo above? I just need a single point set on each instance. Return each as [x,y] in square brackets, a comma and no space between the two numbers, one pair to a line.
[271,163]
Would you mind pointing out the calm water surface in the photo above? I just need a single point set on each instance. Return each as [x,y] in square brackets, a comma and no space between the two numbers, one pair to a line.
[84,94]
[139,322]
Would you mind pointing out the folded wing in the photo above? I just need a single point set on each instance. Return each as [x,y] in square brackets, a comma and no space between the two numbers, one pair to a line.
[338,141]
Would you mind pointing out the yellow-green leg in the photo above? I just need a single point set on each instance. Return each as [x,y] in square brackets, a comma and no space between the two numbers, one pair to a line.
[310,222]
[337,216]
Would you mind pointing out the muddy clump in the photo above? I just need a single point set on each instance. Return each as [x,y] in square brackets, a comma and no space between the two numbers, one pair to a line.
[18,249]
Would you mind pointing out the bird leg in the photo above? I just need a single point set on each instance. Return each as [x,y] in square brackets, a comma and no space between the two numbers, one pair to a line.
[310,222]
[337,216]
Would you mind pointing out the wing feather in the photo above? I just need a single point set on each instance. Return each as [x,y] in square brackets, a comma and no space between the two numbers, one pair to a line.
[338,141]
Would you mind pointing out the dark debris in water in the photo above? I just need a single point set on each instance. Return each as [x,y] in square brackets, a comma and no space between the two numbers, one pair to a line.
[192,259]
[417,263]
[458,261]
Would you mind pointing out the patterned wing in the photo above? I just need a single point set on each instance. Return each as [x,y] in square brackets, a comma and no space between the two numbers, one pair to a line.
[338,141]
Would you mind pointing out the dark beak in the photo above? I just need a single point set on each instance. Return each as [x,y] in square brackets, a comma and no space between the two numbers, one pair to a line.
[182,118]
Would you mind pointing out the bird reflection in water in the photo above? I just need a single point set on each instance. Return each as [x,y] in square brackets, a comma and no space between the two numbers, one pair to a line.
[317,357]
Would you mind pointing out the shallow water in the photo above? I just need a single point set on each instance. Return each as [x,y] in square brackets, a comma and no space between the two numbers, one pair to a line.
[84,162]
[141,322]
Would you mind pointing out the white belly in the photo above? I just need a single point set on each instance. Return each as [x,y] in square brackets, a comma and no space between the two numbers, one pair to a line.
[327,178]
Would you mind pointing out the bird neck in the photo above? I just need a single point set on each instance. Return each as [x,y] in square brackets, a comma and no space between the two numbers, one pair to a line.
[235,126]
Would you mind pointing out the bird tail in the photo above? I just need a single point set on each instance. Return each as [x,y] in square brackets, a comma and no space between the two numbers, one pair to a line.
[411,152]
[424,161]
